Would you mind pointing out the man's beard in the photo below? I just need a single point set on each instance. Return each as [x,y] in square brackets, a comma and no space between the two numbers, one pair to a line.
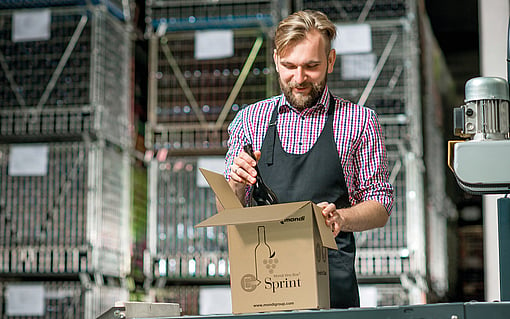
[300,101]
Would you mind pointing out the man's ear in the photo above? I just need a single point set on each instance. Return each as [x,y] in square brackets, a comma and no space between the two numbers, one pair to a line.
[275,59]
[331,60]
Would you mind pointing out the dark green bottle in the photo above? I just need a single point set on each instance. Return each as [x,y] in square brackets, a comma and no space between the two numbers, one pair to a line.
[261,194]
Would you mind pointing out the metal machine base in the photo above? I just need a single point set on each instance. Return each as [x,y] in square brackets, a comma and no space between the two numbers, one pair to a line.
[470,310]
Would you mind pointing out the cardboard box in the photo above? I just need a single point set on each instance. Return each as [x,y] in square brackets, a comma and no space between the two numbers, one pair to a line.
[278,254]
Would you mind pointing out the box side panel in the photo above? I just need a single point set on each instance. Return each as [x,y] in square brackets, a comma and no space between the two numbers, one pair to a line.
[235,246]
[322,270]
[273,265]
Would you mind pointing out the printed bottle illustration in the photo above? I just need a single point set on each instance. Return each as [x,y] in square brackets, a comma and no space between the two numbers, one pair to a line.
[265,261]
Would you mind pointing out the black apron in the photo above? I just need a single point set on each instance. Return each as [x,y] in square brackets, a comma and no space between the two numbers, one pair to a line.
[316,176]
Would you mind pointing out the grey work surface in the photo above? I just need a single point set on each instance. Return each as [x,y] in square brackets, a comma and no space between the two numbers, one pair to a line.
[470,310]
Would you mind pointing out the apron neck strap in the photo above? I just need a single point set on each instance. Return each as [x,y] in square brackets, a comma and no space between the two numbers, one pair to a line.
[272,131]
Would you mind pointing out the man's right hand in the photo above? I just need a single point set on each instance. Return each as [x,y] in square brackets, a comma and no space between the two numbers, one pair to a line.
[242,171]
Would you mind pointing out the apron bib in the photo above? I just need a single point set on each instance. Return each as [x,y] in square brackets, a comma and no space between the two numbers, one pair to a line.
[316,176]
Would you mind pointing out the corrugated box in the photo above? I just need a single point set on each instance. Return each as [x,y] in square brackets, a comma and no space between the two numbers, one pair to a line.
[278,254]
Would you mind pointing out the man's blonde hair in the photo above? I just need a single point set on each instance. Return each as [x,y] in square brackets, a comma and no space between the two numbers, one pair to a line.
[295,27]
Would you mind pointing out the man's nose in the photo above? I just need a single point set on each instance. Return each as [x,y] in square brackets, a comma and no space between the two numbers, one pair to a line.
[300,75]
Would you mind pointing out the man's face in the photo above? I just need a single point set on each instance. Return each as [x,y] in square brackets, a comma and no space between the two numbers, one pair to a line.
[303,70]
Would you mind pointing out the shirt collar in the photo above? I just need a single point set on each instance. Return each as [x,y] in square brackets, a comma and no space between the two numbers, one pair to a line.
[323,103]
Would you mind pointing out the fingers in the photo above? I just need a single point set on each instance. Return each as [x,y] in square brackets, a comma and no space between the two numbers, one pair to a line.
[242,170]
[328,209]
[235,173]
[331,217]
[322,204]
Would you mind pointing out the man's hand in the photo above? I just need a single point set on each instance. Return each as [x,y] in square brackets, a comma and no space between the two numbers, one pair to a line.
[242,170]
[332,217]
[242,173]
[360,217]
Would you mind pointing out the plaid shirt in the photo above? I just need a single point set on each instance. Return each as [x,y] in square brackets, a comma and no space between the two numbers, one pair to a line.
[356,130]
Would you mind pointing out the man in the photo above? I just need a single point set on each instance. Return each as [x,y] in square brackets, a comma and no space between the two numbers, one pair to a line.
[311,145]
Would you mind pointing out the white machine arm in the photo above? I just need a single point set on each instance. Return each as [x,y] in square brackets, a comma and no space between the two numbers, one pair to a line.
[481,163]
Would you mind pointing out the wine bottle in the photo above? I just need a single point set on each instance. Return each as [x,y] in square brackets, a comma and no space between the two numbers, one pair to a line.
[264,256]
[261,193]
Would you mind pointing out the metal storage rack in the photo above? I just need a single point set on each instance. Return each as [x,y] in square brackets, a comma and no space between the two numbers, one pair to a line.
[75,82]
[385,89]
[60,299]
[119,8]
[62,221]
[191,101]
[359,10]
[382,253]
[207,14]
[65,229]
[178,251]
[187,296]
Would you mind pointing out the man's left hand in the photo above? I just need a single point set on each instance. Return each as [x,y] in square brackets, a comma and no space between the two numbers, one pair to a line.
[360,217]
[332,217]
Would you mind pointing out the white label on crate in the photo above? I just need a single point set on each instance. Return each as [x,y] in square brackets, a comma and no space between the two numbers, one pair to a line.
[214,300]
[31,25]
[357,66]
[28,160]
[212,163]
[215,44]
[368,296]
[24,300]
[354,38]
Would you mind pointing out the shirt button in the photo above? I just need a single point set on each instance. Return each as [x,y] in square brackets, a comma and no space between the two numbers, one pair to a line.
[300,143]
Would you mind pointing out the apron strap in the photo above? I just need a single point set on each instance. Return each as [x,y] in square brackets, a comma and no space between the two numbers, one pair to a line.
[271,135]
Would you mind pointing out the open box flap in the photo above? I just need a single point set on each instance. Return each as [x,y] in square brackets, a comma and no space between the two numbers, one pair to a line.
[328,240]
[236,214]
[247,215]
[221,188]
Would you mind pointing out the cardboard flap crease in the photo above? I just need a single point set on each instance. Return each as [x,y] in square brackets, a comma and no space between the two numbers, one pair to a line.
[236,214]
[222,190]
[328,240]
[248,215]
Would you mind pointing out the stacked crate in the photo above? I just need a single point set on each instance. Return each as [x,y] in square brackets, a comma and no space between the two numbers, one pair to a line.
[200,14]
[57,299]
[60,220]
[384,73]
[74,82]
[119,8]
[192,99]
[182,251]
[64,155]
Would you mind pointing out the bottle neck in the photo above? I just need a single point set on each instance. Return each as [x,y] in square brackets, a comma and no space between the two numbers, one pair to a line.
[262,234]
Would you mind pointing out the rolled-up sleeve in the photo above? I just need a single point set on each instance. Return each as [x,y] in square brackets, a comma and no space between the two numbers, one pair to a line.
[237,138]
[371,166]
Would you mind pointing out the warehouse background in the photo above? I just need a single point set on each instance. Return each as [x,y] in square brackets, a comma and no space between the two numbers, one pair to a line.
[109,108]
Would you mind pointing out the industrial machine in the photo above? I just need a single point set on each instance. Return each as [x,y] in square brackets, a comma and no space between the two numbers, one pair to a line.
[482,163]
